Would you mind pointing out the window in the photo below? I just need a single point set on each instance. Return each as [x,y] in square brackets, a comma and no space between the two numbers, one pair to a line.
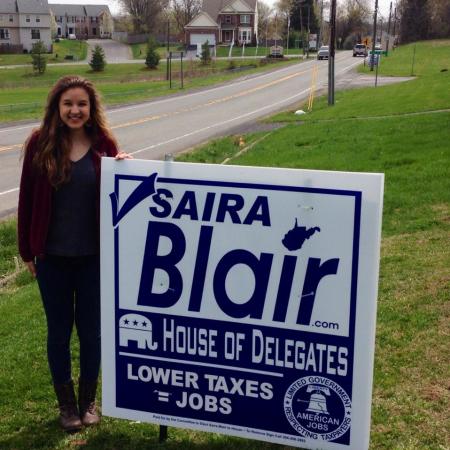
[94,31]
[35,34]
[4,33]
[245,36]
[27,18]
[227,19]
[38,19]
[245,18]
[11,18]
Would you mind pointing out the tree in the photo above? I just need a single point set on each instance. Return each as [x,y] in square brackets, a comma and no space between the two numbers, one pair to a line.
[415,20]
[353,22]
[206,54]
[38,59]
[98,61]
[145,13]
[302,13]
[184,11]
[152,58]
[264,13]
[440,19]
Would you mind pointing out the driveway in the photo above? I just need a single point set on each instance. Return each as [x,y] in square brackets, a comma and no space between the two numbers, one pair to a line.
[114,51]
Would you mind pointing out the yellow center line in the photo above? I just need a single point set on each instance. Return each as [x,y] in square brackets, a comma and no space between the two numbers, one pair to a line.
[10,147]
[210,103]
[191,109]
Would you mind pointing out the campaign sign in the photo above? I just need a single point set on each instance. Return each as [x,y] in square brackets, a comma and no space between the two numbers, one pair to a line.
[240,300]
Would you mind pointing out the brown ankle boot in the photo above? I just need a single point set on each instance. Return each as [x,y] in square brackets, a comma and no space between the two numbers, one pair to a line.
[68,411]
[86,402]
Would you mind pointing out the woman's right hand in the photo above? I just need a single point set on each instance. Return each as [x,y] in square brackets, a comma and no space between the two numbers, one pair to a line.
[31,267]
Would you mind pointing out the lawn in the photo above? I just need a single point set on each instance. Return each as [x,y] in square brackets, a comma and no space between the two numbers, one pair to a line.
[367,130]
[78,49]
[23,94]
[139,51]
[224,51]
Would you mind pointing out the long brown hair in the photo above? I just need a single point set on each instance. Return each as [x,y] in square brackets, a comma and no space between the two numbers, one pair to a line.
[53,142]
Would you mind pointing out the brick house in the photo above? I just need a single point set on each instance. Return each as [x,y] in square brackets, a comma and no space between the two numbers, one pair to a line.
[84,21]
[224,21]
[22,24]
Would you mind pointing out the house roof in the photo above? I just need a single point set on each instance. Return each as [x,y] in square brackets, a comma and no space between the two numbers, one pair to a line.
[8,6]
[202,20]
[213,7]
[33,6]
[95,10]
[70,10]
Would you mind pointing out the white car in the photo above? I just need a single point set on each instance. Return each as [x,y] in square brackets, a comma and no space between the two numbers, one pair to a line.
[72,37]
[324,52]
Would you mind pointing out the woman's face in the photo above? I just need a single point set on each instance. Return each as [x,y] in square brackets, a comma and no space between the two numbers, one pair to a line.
[74,108]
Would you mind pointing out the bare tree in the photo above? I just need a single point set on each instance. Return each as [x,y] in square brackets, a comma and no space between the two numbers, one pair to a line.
[145,13]
[184,11]
[353,21]
[264,15]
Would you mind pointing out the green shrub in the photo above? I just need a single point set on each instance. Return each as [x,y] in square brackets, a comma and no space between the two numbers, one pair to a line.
[98,61]
[38,60]
[152,58]
[206,54]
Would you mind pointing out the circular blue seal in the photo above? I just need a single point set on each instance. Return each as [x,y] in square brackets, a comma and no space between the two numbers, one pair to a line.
[318,408]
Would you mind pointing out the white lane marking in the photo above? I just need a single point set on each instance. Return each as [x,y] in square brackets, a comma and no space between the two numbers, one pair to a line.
[178,97]
[220,123]
[214,125]
[9,191]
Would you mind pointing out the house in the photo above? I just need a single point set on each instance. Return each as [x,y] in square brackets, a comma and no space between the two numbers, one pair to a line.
[223,22]
[23,23]
[83,21]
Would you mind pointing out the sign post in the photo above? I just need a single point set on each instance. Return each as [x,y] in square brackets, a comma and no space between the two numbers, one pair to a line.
[240,300]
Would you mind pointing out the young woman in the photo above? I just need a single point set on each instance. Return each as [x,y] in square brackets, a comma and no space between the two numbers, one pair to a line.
[58,233]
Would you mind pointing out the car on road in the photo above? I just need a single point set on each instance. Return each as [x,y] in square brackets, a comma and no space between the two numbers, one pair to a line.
[324,52]
[359,50]
[72,37]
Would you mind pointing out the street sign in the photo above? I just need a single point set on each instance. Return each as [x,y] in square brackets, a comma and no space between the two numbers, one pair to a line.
[240,300]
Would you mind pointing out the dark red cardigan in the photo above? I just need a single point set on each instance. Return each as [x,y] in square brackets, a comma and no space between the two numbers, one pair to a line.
[35,198]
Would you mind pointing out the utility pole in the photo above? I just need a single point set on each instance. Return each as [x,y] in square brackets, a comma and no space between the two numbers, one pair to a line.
[381,30]
[374,37]
[319,38]
[168,48]
[395,23]
[331,53]
[389,29]
[288,26]
[307,51]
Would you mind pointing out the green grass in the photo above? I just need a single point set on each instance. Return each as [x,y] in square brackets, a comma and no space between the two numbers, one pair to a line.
[8,246]
[60,49]
[224,51]
[411,397]
[23,94]
[139,51]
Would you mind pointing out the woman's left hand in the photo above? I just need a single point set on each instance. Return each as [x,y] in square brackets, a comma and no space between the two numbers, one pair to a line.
[123,155]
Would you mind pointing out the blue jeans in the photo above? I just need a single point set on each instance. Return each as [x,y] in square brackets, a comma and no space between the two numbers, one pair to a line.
[70,291]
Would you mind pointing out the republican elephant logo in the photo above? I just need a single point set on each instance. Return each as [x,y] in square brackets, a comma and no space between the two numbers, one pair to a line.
[136,328]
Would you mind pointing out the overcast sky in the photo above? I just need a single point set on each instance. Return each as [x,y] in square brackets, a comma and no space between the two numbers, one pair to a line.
[115,8]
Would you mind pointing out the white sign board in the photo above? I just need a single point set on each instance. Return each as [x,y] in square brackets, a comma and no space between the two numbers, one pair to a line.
[240,300]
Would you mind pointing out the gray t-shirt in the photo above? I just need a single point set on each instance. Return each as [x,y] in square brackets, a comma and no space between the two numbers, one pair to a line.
[73,222]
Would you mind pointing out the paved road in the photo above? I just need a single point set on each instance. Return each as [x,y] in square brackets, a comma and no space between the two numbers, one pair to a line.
[115,52]
[172,124]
